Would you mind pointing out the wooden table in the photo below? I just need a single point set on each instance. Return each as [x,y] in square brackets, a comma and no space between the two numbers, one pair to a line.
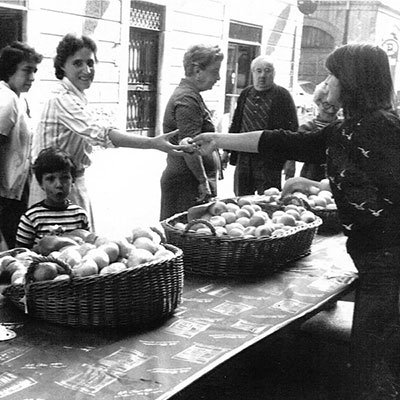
[216,320]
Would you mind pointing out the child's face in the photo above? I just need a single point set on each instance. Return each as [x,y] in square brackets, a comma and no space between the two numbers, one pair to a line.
[57,186]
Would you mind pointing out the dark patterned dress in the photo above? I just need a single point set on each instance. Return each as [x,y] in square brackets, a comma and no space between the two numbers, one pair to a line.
[363,167]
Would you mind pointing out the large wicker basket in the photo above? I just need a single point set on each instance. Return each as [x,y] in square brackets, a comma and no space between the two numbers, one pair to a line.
[221,256]
[330,221]
[139,297]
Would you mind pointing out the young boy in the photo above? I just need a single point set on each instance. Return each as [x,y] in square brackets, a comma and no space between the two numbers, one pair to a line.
[55,173]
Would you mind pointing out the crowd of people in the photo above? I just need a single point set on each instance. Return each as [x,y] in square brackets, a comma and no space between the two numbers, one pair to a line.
[358,153]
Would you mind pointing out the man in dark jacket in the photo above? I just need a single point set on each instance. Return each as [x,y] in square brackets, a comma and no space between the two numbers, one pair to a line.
[264,105]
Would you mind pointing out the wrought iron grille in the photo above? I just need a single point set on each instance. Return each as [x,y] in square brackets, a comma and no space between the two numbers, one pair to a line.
[146,21]
[146,15]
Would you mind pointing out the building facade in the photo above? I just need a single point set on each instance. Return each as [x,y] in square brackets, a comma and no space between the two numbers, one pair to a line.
[141,46]
[337,22]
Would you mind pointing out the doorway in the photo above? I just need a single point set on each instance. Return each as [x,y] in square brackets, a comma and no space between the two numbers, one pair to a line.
[238,73]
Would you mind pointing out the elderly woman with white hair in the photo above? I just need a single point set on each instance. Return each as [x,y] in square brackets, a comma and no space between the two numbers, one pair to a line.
[326,114]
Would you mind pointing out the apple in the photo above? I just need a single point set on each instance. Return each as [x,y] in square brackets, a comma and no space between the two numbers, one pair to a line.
[287,219]
[138,256]
[217,220]
[244,221]
[257,220]
[232,207]
[271,191]
[86,267]
[307,216]
[112,268]
[204,231]
[146,243]
[294,213]
[243,213]
[324,184]
[242,201]
[100,257]
[249,231]
[229,216]
[220,231]
[264,230]
[45,271]
[112,249]
[180,225]
[235,232]
[70,255]
[249,208]
[217,208]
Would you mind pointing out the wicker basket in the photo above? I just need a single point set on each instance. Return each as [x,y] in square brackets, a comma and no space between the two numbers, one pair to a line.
[237,257]
[138,297]
[330,221]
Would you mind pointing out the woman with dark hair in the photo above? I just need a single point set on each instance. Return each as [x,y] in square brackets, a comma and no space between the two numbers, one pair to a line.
[18,65]
[363,167]
[191,179]
[67,123]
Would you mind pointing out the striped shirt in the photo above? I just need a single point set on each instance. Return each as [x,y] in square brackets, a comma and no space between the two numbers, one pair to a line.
[67,123]
[40,220]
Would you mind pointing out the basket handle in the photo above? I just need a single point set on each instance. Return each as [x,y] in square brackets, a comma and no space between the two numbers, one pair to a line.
[200,221]
[40,259]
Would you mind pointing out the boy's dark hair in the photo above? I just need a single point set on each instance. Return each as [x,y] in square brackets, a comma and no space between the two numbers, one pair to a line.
[53,160]
[67,47]
[14,54]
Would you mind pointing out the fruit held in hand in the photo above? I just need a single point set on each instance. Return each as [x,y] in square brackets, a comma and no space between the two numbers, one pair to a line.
[45,271]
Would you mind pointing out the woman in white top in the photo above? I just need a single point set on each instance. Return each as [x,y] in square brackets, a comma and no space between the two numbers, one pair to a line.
[18,65]
[67,123]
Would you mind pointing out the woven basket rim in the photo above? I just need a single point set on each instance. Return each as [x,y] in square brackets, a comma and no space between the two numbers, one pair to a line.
[167,224]
[79,279]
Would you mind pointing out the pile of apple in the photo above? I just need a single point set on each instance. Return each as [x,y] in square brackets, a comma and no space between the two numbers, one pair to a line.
[318,197]
[86,253]
[245,219]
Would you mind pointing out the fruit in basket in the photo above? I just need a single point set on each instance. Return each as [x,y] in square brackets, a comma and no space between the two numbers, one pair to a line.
[9,265]
[112,250]
[307,216]
[229,216]
[45,271]
[146,243]
[70,255]
[140,231]
[124,247]
[217,208]
[217,220]
[162,252]
[286,219]
[50,243]
[325,185]
[257,219]
[86,267]
[99,256]
[18,276]
[138,256]
[264,230]
[112,268]
[272,191]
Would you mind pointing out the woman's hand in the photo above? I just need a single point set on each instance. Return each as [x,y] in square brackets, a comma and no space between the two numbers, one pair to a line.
[300,184]
[205,143]
[204,192]
[162,143]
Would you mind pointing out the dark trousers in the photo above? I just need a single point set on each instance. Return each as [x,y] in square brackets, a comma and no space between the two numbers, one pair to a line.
[10,213]
[376,325]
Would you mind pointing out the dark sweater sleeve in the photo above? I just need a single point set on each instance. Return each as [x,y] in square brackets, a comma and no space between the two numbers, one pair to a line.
[306,147]
[284,112]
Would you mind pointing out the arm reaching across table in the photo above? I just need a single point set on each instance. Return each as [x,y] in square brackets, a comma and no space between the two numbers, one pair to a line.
[209,141]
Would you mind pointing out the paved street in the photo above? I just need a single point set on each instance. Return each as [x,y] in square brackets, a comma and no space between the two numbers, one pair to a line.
[125,188]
